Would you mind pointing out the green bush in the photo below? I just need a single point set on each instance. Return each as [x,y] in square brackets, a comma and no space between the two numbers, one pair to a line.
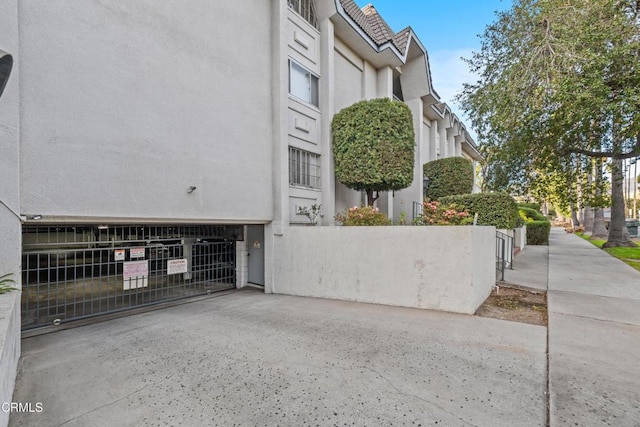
[538,232]
[497,209]
[373,146]
[436,213]
[448,177]
[538,226]
[528,214]
[530,205]
[365,215]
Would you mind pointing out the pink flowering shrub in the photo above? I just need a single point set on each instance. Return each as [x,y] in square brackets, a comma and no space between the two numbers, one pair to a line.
[365,215]
[434,213]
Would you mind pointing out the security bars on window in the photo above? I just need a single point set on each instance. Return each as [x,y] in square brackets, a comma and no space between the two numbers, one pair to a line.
[304,168]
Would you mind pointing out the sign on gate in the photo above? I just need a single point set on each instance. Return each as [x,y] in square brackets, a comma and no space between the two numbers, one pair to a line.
[175,266]
[135,274]
[136,252]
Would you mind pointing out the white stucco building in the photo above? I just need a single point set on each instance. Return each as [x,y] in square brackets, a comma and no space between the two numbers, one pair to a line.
[148,146]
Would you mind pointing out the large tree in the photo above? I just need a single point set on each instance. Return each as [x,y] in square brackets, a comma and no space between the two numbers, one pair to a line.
[373,146]
[560,78]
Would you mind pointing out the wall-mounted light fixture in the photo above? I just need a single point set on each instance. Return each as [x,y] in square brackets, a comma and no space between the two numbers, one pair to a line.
[6,63]
[425,185]
[103,227]
[191,189]
[35,217]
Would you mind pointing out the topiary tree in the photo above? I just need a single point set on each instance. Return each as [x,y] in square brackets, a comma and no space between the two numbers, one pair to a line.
[448,177]
[373,146]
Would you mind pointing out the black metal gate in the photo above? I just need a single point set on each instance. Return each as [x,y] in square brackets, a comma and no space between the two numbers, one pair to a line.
[70,273]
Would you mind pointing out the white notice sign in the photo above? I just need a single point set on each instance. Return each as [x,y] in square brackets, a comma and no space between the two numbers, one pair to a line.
[119,254]
[135,274]
[175,266]
[136,253]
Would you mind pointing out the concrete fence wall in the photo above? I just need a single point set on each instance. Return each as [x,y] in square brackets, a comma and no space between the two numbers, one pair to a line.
[9,348]
[520,237]
[441,268]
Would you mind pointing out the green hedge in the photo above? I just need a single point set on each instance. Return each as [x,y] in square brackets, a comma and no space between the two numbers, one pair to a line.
[528,214]
[497,209]
[448,177]
[538,226]
[530,205]
[538,232]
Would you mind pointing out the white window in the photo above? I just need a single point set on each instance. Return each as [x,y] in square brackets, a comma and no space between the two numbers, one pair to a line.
[306,9]
[304,168]
[303,84]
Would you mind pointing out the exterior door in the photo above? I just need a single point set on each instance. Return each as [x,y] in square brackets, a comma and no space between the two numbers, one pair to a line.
[255,241]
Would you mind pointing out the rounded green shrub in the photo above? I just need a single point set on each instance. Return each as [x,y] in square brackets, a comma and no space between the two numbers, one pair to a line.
[373,146]
[530,205]
[448,177]
[529,214]
[497,209]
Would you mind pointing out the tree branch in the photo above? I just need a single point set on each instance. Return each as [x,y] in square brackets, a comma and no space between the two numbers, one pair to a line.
[635,152]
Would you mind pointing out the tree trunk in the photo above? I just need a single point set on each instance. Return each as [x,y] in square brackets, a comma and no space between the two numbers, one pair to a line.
[370,199]
[575,223]
[618,233]
[588,211]
[599,228]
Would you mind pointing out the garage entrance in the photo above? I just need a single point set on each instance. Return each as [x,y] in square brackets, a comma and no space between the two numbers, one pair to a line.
[74,272]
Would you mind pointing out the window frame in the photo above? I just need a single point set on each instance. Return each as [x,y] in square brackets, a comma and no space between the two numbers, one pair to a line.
[306,9]
[313,78]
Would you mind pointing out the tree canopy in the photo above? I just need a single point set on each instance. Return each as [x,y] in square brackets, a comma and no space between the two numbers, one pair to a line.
[373,146]
[560,81]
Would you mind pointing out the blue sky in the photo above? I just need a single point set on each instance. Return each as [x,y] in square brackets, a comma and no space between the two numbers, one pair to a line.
[449,30]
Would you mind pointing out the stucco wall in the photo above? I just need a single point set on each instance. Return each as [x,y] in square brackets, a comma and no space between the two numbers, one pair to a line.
[127,104]
[442,268]
[9,348]
[10,230]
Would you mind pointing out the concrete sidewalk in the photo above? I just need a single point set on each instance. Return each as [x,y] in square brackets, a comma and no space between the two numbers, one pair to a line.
[594,330]
[252,359]
[530,268]
[594,335]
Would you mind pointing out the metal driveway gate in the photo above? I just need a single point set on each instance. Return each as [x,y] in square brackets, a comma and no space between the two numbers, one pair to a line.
[70,273]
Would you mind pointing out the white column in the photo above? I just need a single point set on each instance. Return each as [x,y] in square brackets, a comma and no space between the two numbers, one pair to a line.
[327,164]
[433,141]
[442,132]
[385,90]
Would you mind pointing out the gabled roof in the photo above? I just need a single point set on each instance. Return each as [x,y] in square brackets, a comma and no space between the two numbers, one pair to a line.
[370,21]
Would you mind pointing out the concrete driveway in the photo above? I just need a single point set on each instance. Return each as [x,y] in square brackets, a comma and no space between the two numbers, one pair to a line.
[253,359]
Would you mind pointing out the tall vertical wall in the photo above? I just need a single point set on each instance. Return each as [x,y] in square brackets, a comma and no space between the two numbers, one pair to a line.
[10,230]
[125,105]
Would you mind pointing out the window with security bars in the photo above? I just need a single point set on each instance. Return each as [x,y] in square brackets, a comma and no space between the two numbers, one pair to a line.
[306,9]
[304,168]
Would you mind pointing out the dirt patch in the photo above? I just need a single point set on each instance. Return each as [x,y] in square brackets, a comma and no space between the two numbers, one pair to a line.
[517,305]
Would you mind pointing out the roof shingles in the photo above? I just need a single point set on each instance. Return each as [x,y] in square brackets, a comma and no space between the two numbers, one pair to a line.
[370,21]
